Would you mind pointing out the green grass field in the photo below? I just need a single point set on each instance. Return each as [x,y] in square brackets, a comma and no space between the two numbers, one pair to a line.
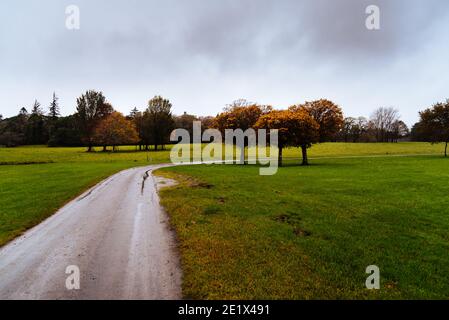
[307,232]
[42,154]
[310,232]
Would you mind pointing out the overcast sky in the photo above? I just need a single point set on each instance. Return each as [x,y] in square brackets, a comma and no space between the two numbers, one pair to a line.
[203,54]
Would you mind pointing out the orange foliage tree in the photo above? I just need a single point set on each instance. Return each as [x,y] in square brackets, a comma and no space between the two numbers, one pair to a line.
[240,115]
[296,128]
[327,114]
[115,130]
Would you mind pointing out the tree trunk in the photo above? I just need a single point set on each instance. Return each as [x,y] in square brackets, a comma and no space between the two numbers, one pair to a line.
[305,161]
[445,149]
[89,148]
[280,157]
[155,147]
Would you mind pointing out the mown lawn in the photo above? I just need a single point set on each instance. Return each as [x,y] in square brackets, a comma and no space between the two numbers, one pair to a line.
[310,232]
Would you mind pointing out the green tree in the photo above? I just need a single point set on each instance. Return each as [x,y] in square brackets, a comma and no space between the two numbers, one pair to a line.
[54,111]
[137,118]
[158,122]
[36,130]
[53,114]
[434,124]
[91,109]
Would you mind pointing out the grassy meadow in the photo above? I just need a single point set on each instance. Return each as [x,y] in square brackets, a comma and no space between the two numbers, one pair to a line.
[130,154]
[310,232]
[306,232]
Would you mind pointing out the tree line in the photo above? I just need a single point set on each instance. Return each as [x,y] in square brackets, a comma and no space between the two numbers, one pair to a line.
[96,124]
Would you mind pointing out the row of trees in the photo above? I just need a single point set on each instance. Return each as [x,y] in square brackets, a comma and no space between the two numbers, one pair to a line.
[96,123]
[384,125]
[30,128]
[99,124]
[298,126]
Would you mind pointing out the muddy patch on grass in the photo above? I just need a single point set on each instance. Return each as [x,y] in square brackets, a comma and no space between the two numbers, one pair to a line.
[162,182]
[293,220]
[300,232]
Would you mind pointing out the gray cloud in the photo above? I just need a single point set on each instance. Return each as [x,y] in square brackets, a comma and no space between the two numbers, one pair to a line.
[204,53]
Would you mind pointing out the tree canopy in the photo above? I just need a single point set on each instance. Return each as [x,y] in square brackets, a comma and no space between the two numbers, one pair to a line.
[115,130]
[434,123]
[296,128]
[157,122]
[327,114]
[91,109]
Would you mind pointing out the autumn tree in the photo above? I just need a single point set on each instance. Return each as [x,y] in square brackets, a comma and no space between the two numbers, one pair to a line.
[115,130]
[91,109]
[241,115]
[434,124]
[157,122]
[327,114]
[296,128]
[207,122]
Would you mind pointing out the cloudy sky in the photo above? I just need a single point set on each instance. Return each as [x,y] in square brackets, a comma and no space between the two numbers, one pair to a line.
[203,54]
